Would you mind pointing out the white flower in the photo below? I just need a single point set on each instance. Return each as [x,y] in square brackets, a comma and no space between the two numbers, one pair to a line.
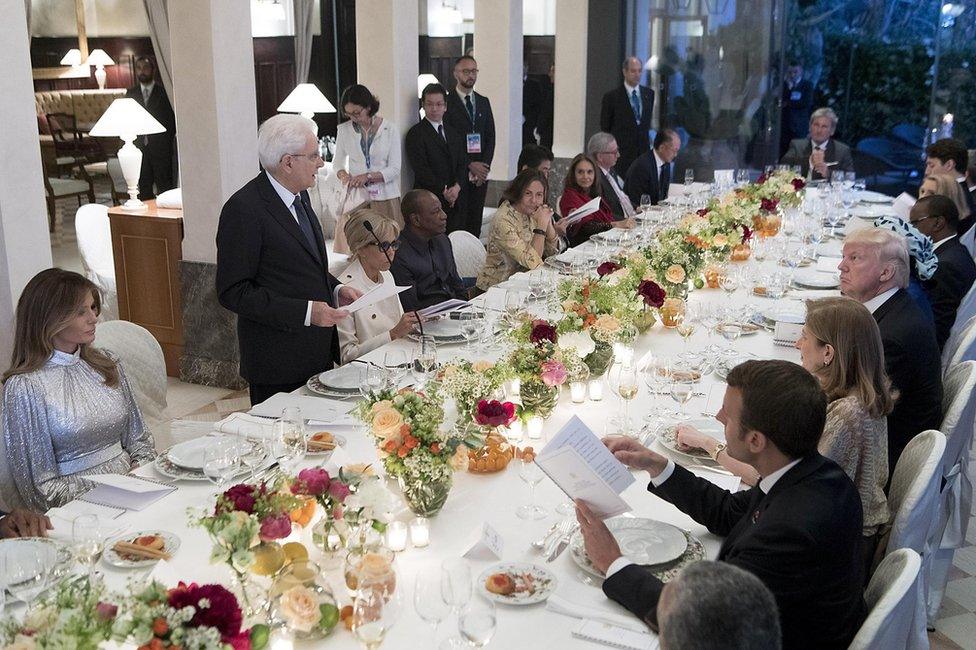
[300,609]
[372,496]
[581,342]
[112,644]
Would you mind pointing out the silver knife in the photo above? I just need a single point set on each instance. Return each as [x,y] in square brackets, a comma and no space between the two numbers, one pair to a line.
[563,542]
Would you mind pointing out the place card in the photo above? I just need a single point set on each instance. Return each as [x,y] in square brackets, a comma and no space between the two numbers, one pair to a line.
[827,264]
[902,205]
[489,545]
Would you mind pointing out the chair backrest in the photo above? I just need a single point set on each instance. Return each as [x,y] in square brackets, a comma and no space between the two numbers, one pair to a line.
[141,359]
[95,238]
[911,134]
[958,412]
[914,494]
[891,603]
[469,253]
[960,347]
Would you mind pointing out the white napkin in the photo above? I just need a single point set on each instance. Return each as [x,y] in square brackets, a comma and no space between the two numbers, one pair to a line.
[63,517]
[560,605]
[250,425]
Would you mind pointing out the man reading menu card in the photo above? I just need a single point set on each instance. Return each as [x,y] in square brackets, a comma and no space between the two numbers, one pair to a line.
[799,530]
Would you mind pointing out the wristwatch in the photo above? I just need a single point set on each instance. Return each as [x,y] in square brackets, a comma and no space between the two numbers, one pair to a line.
[719,446]
[538,231]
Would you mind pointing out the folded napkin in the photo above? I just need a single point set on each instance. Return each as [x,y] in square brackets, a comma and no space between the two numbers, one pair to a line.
[251,426]
[63,517]
[560,605]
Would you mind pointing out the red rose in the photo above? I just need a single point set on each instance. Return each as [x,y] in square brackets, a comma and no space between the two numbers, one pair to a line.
[222,613]
[769,205]
[275,527]
[105,611]
[762,179]
[651,292]
[607,268]
[702,212]
[494,413]
[746,233]
[799,184]
[338,490]
[239,497]
[311,482]
[542,331]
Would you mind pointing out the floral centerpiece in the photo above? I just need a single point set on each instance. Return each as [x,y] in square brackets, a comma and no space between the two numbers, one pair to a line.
[677,256]
[539,367]
[244,526]
[767,196]
[75,614]
[470,382]
[415,449]
[353,501]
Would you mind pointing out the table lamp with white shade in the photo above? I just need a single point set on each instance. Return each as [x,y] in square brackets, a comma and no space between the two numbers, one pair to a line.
[306,99]
[72,58]
[99,59]
[126,119]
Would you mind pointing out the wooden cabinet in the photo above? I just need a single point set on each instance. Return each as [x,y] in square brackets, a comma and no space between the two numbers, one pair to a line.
[148,248]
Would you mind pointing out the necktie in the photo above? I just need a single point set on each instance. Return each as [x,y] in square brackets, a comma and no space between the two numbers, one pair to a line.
[145,95]
[440,131]
[665,181]
[470,106]
[306,225]
[635,103]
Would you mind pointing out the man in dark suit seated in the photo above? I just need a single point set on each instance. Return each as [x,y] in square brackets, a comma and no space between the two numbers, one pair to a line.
[625,113]
[603,148]
[874,271]
[273,269]
[937,217]
[950,156]
[425,261]
[820,154]
[157,149]
[436,152]
[652,172]
[799,530]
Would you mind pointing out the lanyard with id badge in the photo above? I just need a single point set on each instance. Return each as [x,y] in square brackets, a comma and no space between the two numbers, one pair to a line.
[474,142]
[366,144]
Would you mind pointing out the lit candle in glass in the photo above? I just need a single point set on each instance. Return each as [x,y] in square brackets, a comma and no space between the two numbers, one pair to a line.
[596,389]
[396,536]
[577,391]
[534,426]
[514,432]
[419,532]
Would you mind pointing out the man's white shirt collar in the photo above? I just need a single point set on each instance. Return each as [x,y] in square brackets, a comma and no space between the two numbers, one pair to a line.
[631,89]
[658,161]
[287,197]
[823,145]
[462,94]
[433,123]
[767,482]
[936,245]
[880,299]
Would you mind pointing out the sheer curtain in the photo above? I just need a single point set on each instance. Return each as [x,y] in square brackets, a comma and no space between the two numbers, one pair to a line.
[157,13]
[303,39]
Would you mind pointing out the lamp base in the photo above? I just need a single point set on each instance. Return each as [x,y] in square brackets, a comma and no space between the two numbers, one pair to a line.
[134,205]
[130,159]
[100,76]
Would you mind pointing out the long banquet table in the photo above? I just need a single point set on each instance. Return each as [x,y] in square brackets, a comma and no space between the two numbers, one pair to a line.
[476,499]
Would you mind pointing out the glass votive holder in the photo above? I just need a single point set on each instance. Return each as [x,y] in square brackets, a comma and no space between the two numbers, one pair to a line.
[534,426]
[513,432]
[396,536]
[596,389]
[419,532]
[513,388]
[577,391]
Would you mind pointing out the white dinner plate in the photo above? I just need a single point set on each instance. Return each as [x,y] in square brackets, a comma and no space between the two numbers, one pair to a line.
[189,454]
[542,580]
[445,330]
[868,196]
[171,544]
[340,441]
[816,279]
[645,541]
[786,311]
[871,211]
[345,379]
[710,427]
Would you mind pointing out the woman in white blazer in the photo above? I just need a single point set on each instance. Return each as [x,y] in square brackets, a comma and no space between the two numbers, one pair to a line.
[367,156]
[384,321]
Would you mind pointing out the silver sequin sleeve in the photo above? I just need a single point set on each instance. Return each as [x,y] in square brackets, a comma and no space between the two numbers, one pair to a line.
[61,423]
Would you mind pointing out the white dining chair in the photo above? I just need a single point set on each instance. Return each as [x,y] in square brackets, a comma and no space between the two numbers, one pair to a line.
[142,360]
[469,253]
[890,602]
[95,245]
[956,498]
[913,499]
[960,347]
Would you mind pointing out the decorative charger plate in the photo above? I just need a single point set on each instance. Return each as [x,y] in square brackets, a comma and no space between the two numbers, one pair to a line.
[56,552]
[345,379]
[444,330]
[171,470]
[189,454]
[868,196]
[790,311]
[645,541]
[816,280]
[315,386]
[543,581]
[668,437]
[171,544]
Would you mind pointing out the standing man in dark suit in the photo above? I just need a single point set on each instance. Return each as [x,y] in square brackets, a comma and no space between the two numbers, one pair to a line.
[820,154]
[653,171]
[950,156]
[272,266]
[874,271]
[937,217]
[157,149]
[797,103]
[626,114]
[531,107]
[469,113]
[798,530]
[436,152]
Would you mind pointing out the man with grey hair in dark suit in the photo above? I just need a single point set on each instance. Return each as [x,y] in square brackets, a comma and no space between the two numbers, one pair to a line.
[819,155]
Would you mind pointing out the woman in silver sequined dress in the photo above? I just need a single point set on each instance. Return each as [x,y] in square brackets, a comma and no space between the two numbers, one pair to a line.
[67,409]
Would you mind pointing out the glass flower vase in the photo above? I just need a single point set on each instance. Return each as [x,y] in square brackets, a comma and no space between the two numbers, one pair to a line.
[301,603]
[425,496]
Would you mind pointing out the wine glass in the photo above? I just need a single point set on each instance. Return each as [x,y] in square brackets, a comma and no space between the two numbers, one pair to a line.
[537,285]
[374,379]
[622,378]
[742,176]
[253,452]
[656,373]
[729,282]
[374,612]
[289,444]
[686,325]
[396,363]
[683,381]
[87,540]
[477,621]
[470,327]
[513,301]
[456,583]
[28,572]
[427,601]
[645,203]
[426,358]
[220,460]
[532,475]
[689,179]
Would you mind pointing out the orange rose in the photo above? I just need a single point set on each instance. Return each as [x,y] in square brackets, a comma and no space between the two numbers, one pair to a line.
[675,274]
[381,405]
[386,422]
[720,240]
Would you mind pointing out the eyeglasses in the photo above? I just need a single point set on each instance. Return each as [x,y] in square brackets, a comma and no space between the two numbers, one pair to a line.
[385,246]
[310,156]
[611,152]
[916,221]
[467,71]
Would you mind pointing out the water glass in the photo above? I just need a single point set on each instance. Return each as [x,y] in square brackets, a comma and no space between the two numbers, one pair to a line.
[396,363]
[682,387]
[87,540]
[532,475]
[374,612]
[374,379]
[428,602]
[456,583]
[425,358]
[27,572]
[470,328]
[253,452]
[477,621]
[742,176]
[289,444]
[645,203]
[689,178]
[220,462]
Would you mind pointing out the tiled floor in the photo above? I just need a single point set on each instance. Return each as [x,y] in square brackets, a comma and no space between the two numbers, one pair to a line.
[190,403]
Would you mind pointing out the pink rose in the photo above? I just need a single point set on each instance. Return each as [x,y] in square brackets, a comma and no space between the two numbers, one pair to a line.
[553,373]
[311,482]
[275,527]
[338,490]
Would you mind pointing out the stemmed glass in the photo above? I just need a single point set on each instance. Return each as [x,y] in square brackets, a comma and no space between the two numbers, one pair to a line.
[374,379]
[729,282]
[470,328]
[686,325]
[689,179]
[289,444]
[396,363]
[425,358]
[622,378]
[253,450]
[87,540]
[532,475]
[477,621]
[456,583]
[374,612]
[428,602]
[683,381]
[645,203]
[27,573]
[220,462]
[657,373]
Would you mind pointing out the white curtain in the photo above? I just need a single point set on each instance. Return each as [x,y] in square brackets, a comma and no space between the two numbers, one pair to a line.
[303,39]
[157,14]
